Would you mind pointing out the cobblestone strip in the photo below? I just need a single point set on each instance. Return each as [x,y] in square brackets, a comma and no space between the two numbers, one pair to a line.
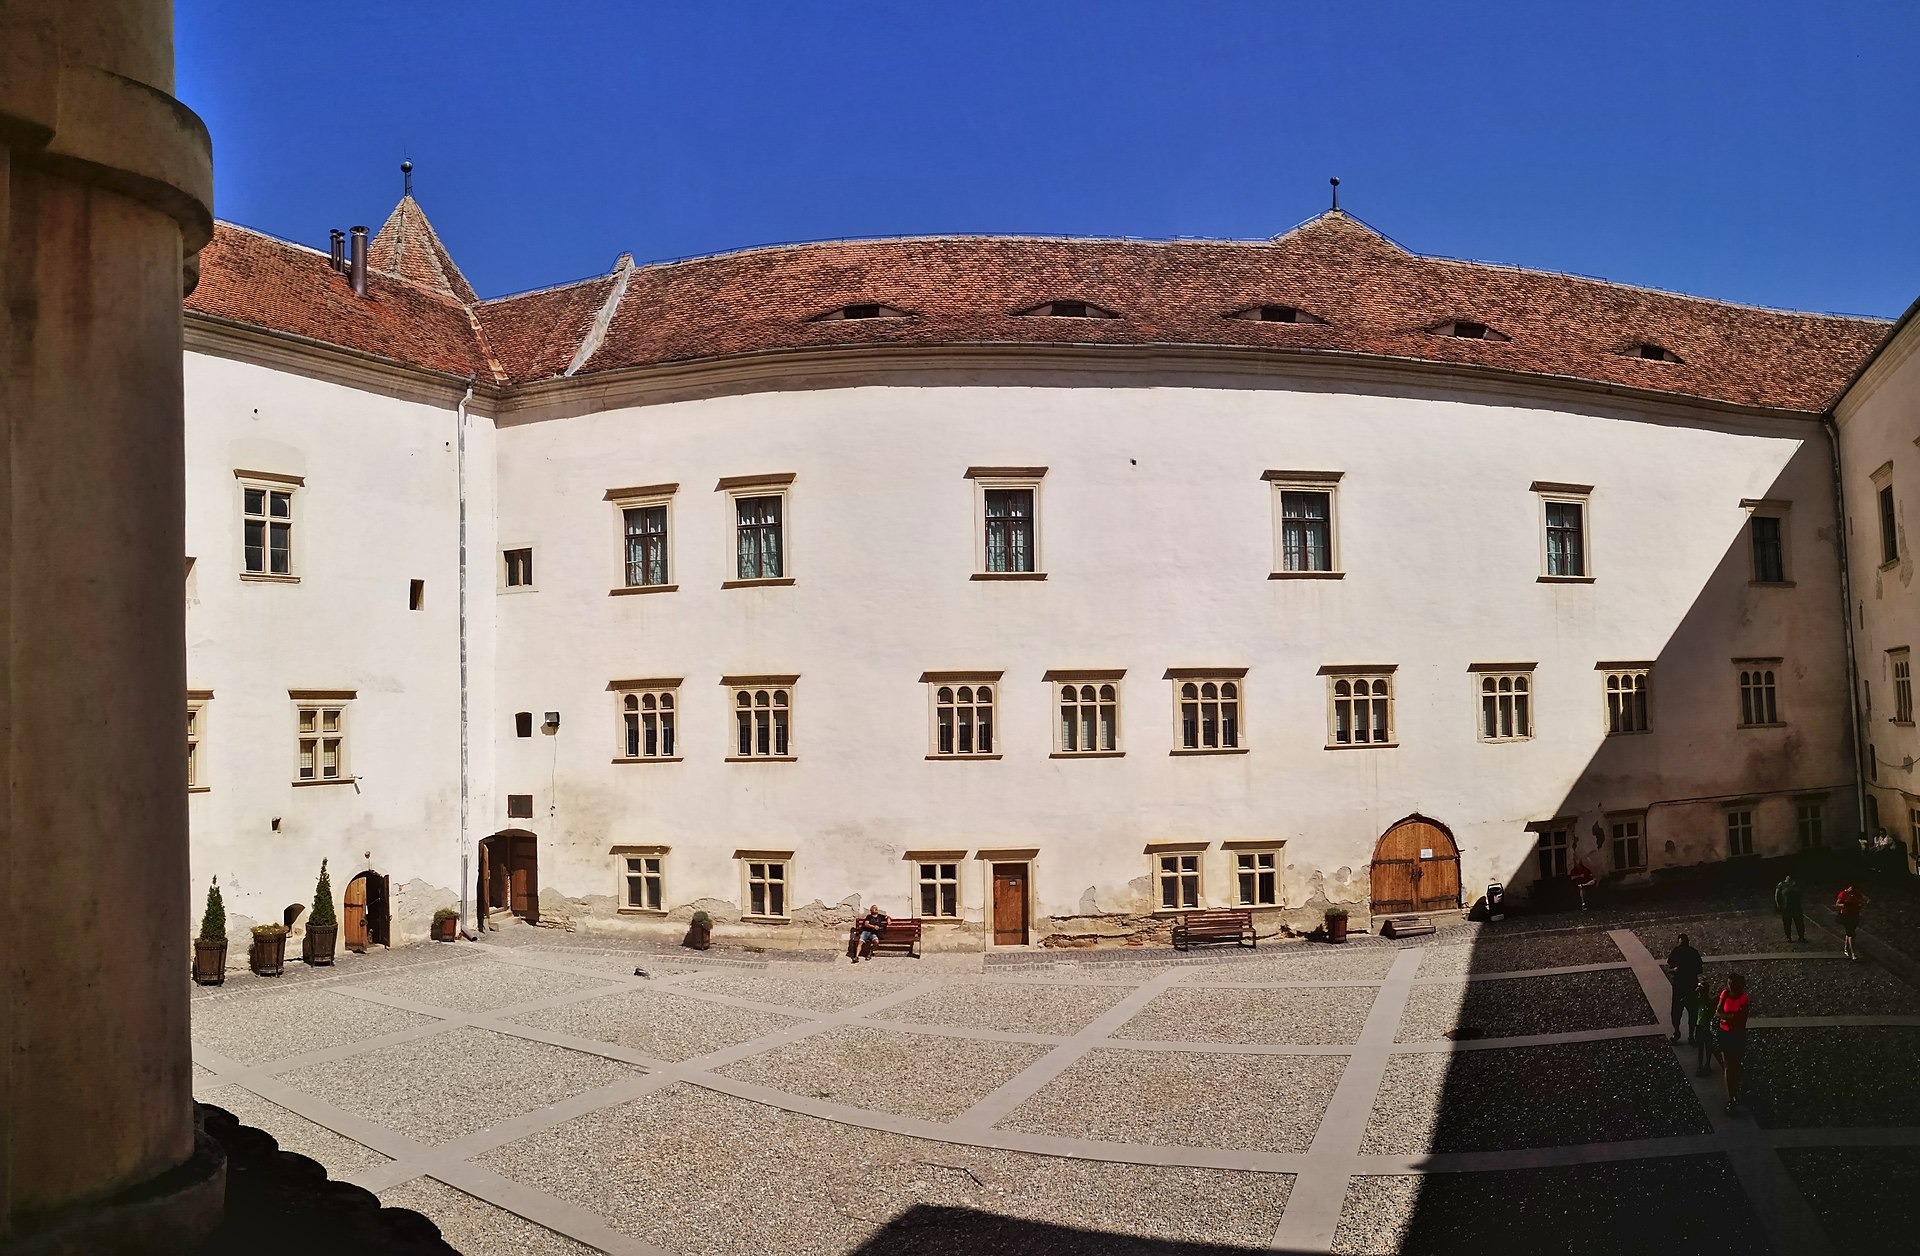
[1790,1224]
[996,1106]
[1313,1206]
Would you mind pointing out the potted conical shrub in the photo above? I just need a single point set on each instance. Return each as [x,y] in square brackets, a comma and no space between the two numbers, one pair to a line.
[268,954]
[446,923]
[210,948]
[1336,924]
[699,932]
[322,926]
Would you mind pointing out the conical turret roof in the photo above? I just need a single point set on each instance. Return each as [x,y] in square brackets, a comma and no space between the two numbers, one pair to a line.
[408,247]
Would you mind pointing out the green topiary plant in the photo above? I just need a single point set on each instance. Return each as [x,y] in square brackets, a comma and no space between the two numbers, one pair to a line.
[213,925]
[704,920]
[1336,913]
[322,900]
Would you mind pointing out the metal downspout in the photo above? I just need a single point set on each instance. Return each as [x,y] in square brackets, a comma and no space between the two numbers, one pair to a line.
[1832,429]
[460,472]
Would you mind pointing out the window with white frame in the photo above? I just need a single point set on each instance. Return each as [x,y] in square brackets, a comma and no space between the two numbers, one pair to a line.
[1564,519]
[1739,832]
[1629,843]
[1506,702]
[766,881]
[266,515]
[1360,707]
[763,716]
[196,729]
[321,718]
[1900,661]
[648,713]
[1178,875]
[643,881]
[1626,689]
[1256,878]
[938,883]
[1553,850]
[1306,542]
[1206,708]
[1759,704]
[962,710]
[1767,540]
[1089,706]
[1809,822]
[1007,507]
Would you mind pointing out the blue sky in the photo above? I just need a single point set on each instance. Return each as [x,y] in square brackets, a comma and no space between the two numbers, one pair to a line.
[1764,152]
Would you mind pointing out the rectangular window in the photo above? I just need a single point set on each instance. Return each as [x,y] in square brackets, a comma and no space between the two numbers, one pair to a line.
[646,551]
[1206,709]
[758,527]
[519,806]
[763,716]
[1506,704]
[642,885]
[648,712]
[1361,709]
[267,523]
[1627,699]
[1009,537]
[1889,527]
[1306,539]
[1758,702]
[1629,844]
[939,885]
[963,704]
[767,888]
[1901,661]
[1739,833]
[196,728]
[1256,876]
[322,737]
[1179,878]
[1810,824]
[1769,549]
[1089,710]
[519,568]
[1553,851]
[1566,538]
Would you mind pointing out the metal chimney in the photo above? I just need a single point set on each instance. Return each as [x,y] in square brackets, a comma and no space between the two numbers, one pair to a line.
[357,267]
[339,242]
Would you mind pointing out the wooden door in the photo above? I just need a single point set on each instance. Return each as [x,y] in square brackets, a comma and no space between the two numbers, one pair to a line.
[1416,868]
[378,918]
[524,881]
[353,921]
[1010,904]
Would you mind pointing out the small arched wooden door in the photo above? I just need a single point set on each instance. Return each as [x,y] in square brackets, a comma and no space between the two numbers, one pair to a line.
[1416,867]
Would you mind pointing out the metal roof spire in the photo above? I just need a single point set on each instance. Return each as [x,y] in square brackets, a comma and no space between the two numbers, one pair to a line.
[406,173]
[1336,194]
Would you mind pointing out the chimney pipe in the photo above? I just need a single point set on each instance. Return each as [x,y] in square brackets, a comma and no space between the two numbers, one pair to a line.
[339,242]
[357,267]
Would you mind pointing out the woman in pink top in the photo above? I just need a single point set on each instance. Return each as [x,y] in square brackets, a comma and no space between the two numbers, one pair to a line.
[1730,1015]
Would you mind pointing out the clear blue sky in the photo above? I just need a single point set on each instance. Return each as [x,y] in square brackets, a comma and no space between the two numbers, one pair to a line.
[1763,152]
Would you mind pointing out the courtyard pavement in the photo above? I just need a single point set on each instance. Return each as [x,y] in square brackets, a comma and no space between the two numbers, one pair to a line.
[532,1095]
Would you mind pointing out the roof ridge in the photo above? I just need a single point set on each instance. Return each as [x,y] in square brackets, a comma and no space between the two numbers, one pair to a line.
[553,287]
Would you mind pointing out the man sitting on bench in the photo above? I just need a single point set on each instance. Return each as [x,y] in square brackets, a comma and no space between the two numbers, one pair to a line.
[868,931]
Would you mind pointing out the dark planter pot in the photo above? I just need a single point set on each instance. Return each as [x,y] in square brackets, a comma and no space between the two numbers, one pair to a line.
[210,961]
[268,956]
[445,930]
[1336,928]
[317,947]
[699,936]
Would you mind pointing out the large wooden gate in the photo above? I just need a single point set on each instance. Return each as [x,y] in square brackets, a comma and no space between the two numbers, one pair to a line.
[1416,867]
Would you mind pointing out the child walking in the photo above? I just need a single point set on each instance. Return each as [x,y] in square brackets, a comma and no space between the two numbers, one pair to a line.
[1700,1026]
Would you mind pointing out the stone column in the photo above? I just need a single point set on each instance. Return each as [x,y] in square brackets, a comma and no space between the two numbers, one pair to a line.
[104,202]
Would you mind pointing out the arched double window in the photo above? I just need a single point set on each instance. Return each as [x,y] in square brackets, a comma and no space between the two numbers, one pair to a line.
[1209,714]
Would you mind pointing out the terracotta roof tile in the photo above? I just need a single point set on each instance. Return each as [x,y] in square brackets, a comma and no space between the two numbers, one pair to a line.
[536,334]
[407,246]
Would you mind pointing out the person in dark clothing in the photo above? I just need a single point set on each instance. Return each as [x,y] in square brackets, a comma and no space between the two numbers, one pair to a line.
[1684,967]
[1786,901]
[1700,1014]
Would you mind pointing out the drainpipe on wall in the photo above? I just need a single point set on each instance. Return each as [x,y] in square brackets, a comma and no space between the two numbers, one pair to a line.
[1832,428]
[460,472]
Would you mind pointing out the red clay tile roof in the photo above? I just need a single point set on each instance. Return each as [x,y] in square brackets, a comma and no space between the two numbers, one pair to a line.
[407,246]
[1378,300]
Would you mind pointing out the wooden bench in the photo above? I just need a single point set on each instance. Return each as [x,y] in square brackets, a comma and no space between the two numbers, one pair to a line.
[1230,924]
[899,937]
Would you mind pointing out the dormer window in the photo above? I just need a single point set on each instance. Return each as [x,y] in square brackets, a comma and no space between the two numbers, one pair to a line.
[1461,329]
[1653,353]
[867,309]
[1068,309]
[1276,314]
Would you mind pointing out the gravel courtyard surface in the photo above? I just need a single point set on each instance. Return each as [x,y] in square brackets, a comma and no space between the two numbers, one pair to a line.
[1251,1102]
[658,1023]
[1833,1077]
[1298,961]
[1497,953]
[1733,933]
[293,1132]
[911,1074]
[295,1022]
[1016,1007]
[1584,1092]
[1309,1017]
[825,990]
[1864,1196]
[1821,987]
[481,987]
[476,1227]
[1514,1006]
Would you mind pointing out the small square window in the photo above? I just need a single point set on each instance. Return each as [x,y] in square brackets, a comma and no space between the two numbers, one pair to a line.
[519,806]
[1179,880]
[518,565]
[523,723]
[1256,878]
[642,883]
[939,887]
[766,888]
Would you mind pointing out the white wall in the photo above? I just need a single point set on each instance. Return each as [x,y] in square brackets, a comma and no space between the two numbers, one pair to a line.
[1157,537]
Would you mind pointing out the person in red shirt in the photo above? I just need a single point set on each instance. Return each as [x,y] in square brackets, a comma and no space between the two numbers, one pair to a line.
[1730,1024]
[1848,907]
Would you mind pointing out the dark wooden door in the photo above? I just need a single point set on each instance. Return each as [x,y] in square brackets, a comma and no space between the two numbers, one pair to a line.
[525,881]
[1010,904]
[1416,867]
[353,915]
[379,919]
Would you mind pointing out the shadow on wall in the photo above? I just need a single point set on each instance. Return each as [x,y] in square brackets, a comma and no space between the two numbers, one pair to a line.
[932,1230]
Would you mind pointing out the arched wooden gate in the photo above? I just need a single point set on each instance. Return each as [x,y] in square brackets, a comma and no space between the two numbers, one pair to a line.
[1416,867]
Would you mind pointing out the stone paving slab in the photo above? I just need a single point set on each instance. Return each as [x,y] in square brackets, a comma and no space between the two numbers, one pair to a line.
[1493,953]
[1008,1006]
[291,1022]
[669,1170]
[659,1024]
[1245,1102]
[1821,987]
[1864,1197]
[1830,1077]
[1543,1096]
[823,990]
[1744,933]
[1299,961]
[1308,1017]
[346,967]
[483,986]
[909,1074]
[1688,1205]
[476,1227]
[1526,1005]
[341,1155]
[438,1088]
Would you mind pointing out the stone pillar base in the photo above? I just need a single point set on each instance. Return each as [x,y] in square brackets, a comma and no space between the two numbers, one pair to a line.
[170,1215]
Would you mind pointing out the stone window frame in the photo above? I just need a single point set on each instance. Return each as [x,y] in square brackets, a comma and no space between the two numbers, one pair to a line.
[780,698]
[509,558]
[1556,846]
[739,488]
[1104,684]
[1613,683]
[197,700]
[1900,667]
[936,683]
[781,885]
[1183,866]
[1625,827]
[1886,515]
[1759,689]
[1016,479]
[270,483]
[646,497]
[654,878]
[1551,493]
[1372,676]
[1520,694]
[1254,851]
[665,691]
[1769,508]
[1740,826]
[1810,807]
[319,702]
[1280,483]
[1199,679]
[918,863]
